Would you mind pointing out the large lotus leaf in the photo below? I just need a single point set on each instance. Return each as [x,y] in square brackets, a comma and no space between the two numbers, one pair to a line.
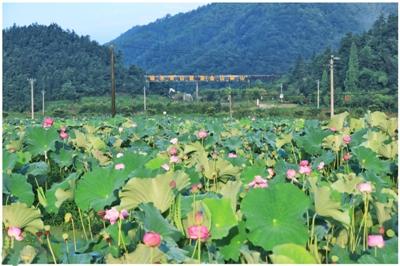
[141,255]
[356,124]
[220,168]
[378,119]
[311,141]
[142,190]
[60,192]
[250,172]
[101,157]
[18,186]
[156,162]
[63,157]
[41,140]
[386,255]
[291,254]
[283,139]
[80,140]
[154,221]
[232,143]
[222,215]
[19,215]
[392,126]
[347,183]
[389,150]
[276,212]
[369,160]
[9,161]
[95,190]
[327,206]
[337,121]
[38,168]
[174,253]
[133,163]
[230,245]
[96,143]
[230,191]
[333,142]
[375,140]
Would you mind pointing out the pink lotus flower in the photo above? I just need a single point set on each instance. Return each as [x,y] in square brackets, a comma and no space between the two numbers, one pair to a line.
[174,159]
[152,239]
[271,172]
[303,163]
[173,151]
[174,141]
[198,232]
[346,156]
[48,122]
[120,154]
[381,230]
[291,174]
[15,232]
[258,182]
[321,166]
[305,170]
[202,134]
[376,241]
[333,129]
[63,135]
[112,215]
[198,219]
[365,187]
[123,214]
[165,167]
[232,155]
[346,139]
[195,188]
[119,166]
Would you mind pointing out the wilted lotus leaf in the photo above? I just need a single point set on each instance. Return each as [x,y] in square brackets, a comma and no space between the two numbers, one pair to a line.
[27,254]
[334,142]
[326,206]
[347,183]
[219,169]
[96,143]
[337,121]
[392,126]
[291,254]
[101,157]
[19,215]
[377,141]
[80,140]
[283,139]
[377,119]
[141,255]
[356,124]
[276,212]
[89,129]
[142,190]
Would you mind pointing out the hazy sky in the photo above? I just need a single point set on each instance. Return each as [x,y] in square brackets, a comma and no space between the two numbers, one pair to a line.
[102,21]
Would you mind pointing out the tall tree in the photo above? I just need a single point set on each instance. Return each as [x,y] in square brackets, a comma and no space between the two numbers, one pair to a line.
[352,73]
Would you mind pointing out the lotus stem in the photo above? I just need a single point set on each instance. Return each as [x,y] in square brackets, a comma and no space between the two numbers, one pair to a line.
[66,243]
[151,255]
[119,232]
[194,249]
[73,233]
[51,250]
[199,250]
[83,225]
[375,250]
[90,228]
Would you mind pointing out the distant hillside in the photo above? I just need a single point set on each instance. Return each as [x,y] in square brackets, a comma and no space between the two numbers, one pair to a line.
[243,38]
[65,65]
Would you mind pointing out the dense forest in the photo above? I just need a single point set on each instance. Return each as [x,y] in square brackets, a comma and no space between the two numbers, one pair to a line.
[243,38]
[66,66]
[366,71]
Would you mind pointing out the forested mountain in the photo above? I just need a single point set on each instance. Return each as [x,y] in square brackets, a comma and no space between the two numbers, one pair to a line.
[65,65]
[366,71]
[244,38]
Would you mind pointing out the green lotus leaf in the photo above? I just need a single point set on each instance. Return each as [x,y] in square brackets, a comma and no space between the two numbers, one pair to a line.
[276,212]
[222,215]
[291,254]
[283,139]
[96,143]
[369,160]
[95,190]
[101,157]
[20,215]
[141,255]
[375,140]
[154,221]
[63,157]
[311,141]
[378,119]
[230,191]
[156,162]
[230,246]
[9,161]
[80,140]
[60,192]
[347,183]
[38,168]
[41,140]
[386,255]
[18,186]
[142,190]
[337,121]
[250,172]
[327,206]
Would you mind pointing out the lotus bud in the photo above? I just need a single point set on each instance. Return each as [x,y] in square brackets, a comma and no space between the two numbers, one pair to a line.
[65,236]
[68,217]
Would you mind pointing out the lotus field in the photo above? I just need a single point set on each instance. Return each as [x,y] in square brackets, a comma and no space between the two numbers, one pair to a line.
[201,190]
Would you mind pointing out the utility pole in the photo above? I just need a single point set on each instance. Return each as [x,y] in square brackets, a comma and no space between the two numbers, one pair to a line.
[31,81]
[112,83]
[144,98]
[281,95]
[331,61]
[197,90]
[43,102]
[230,102]
[318,93]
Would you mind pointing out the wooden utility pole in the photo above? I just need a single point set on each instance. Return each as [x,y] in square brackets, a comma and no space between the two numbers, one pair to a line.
[144,98]
[197,90]
[230,102]
[318,94]
[43,102]
[31,81]
[112,83]
[331,61]
[281,95]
